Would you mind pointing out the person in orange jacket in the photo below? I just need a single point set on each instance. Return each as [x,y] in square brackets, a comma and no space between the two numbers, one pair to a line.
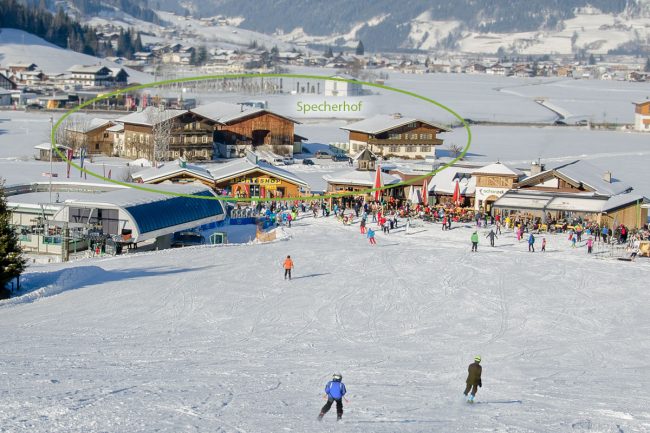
[288,265]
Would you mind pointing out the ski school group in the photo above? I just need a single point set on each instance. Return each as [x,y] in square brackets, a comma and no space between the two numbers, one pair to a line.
[335,389]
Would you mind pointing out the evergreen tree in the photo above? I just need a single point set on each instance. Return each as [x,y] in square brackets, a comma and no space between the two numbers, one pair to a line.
[647,65]
[360,49]
[201,56]
[12,263]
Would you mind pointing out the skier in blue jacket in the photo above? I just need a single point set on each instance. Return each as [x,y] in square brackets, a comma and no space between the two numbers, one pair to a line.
[335,390]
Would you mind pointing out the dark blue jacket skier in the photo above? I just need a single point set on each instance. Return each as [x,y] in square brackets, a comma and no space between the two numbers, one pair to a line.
[335,390]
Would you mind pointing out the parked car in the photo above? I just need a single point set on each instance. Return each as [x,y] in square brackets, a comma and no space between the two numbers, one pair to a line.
[307,162]
[321,154]
[287,160]
[33,107]
[340,157]
[278,161]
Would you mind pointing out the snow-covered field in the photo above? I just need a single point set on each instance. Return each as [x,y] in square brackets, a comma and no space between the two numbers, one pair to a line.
[17,46]
[213,339]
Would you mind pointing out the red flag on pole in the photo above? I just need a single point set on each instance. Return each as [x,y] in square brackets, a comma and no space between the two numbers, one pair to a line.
[378,183]
[457,197]
[425,192]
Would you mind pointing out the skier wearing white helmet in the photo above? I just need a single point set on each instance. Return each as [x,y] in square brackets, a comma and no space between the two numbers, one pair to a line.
[473,379]
[334,390]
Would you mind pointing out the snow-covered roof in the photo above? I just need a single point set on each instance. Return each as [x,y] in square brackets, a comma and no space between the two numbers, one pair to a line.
[171,169]
[224,112]
[116,128]
[580,171]
[499,169]
[386,122]
[87,69]
[444,182]
[48,146]
[146,116]
[88,126]
[242,166]
[360,177]
[570,202]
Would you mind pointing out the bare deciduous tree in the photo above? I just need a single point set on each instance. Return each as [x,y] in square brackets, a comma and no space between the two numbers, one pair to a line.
[161,132]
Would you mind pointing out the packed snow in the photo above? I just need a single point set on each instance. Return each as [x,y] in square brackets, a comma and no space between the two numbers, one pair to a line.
[213,338]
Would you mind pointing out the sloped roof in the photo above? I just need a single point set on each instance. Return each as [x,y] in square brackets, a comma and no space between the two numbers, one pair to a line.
[360,177]
[570,202]
[88,69]
[580,171]
[386,122]
[171,169]
[224,112]
[499,169]
[48,146]
[91,125]
[242,166]
[444,182]
[144,117]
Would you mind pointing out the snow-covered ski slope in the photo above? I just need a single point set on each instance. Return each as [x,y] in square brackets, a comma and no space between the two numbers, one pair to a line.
[212,339]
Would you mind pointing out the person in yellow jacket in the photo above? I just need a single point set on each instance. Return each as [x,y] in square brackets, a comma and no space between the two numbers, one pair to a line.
[288,266]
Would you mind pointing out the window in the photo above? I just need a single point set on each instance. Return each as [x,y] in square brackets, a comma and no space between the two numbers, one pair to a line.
[414,136]
[410,149]
[413,125]
[394,136]
[204,139]
[425,148]
[393,148]
[194,139]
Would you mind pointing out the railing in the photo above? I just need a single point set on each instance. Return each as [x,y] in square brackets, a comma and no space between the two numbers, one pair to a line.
[402,142]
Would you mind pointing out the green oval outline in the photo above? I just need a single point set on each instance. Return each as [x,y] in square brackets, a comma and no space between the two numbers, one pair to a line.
[273,75]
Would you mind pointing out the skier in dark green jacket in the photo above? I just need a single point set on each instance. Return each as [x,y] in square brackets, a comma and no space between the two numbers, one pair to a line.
[473,379]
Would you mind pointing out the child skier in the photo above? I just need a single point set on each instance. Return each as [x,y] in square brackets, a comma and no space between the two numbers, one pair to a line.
[288,265]
[474,240]
[543,244]
[473,379]
[531,243]
[590,245]
[371,236]
[335,391]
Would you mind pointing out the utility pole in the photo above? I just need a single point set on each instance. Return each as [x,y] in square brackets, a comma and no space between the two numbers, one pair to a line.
[51,151]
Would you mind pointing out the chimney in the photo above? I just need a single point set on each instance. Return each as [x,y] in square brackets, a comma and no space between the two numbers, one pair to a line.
[536,168]
[607,177]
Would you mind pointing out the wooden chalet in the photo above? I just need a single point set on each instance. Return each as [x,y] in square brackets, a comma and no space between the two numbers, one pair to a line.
[394,135]
[249,178]
[176,172]
[492,181]
[238,129]
[574,189]
[642,116]
[93,136]
[188,134]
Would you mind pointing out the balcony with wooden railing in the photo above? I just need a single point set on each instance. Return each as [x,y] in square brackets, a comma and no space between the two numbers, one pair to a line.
[404,142]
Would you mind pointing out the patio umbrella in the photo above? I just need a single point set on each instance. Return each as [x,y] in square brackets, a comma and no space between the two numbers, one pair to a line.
[377,183]
[457,197]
